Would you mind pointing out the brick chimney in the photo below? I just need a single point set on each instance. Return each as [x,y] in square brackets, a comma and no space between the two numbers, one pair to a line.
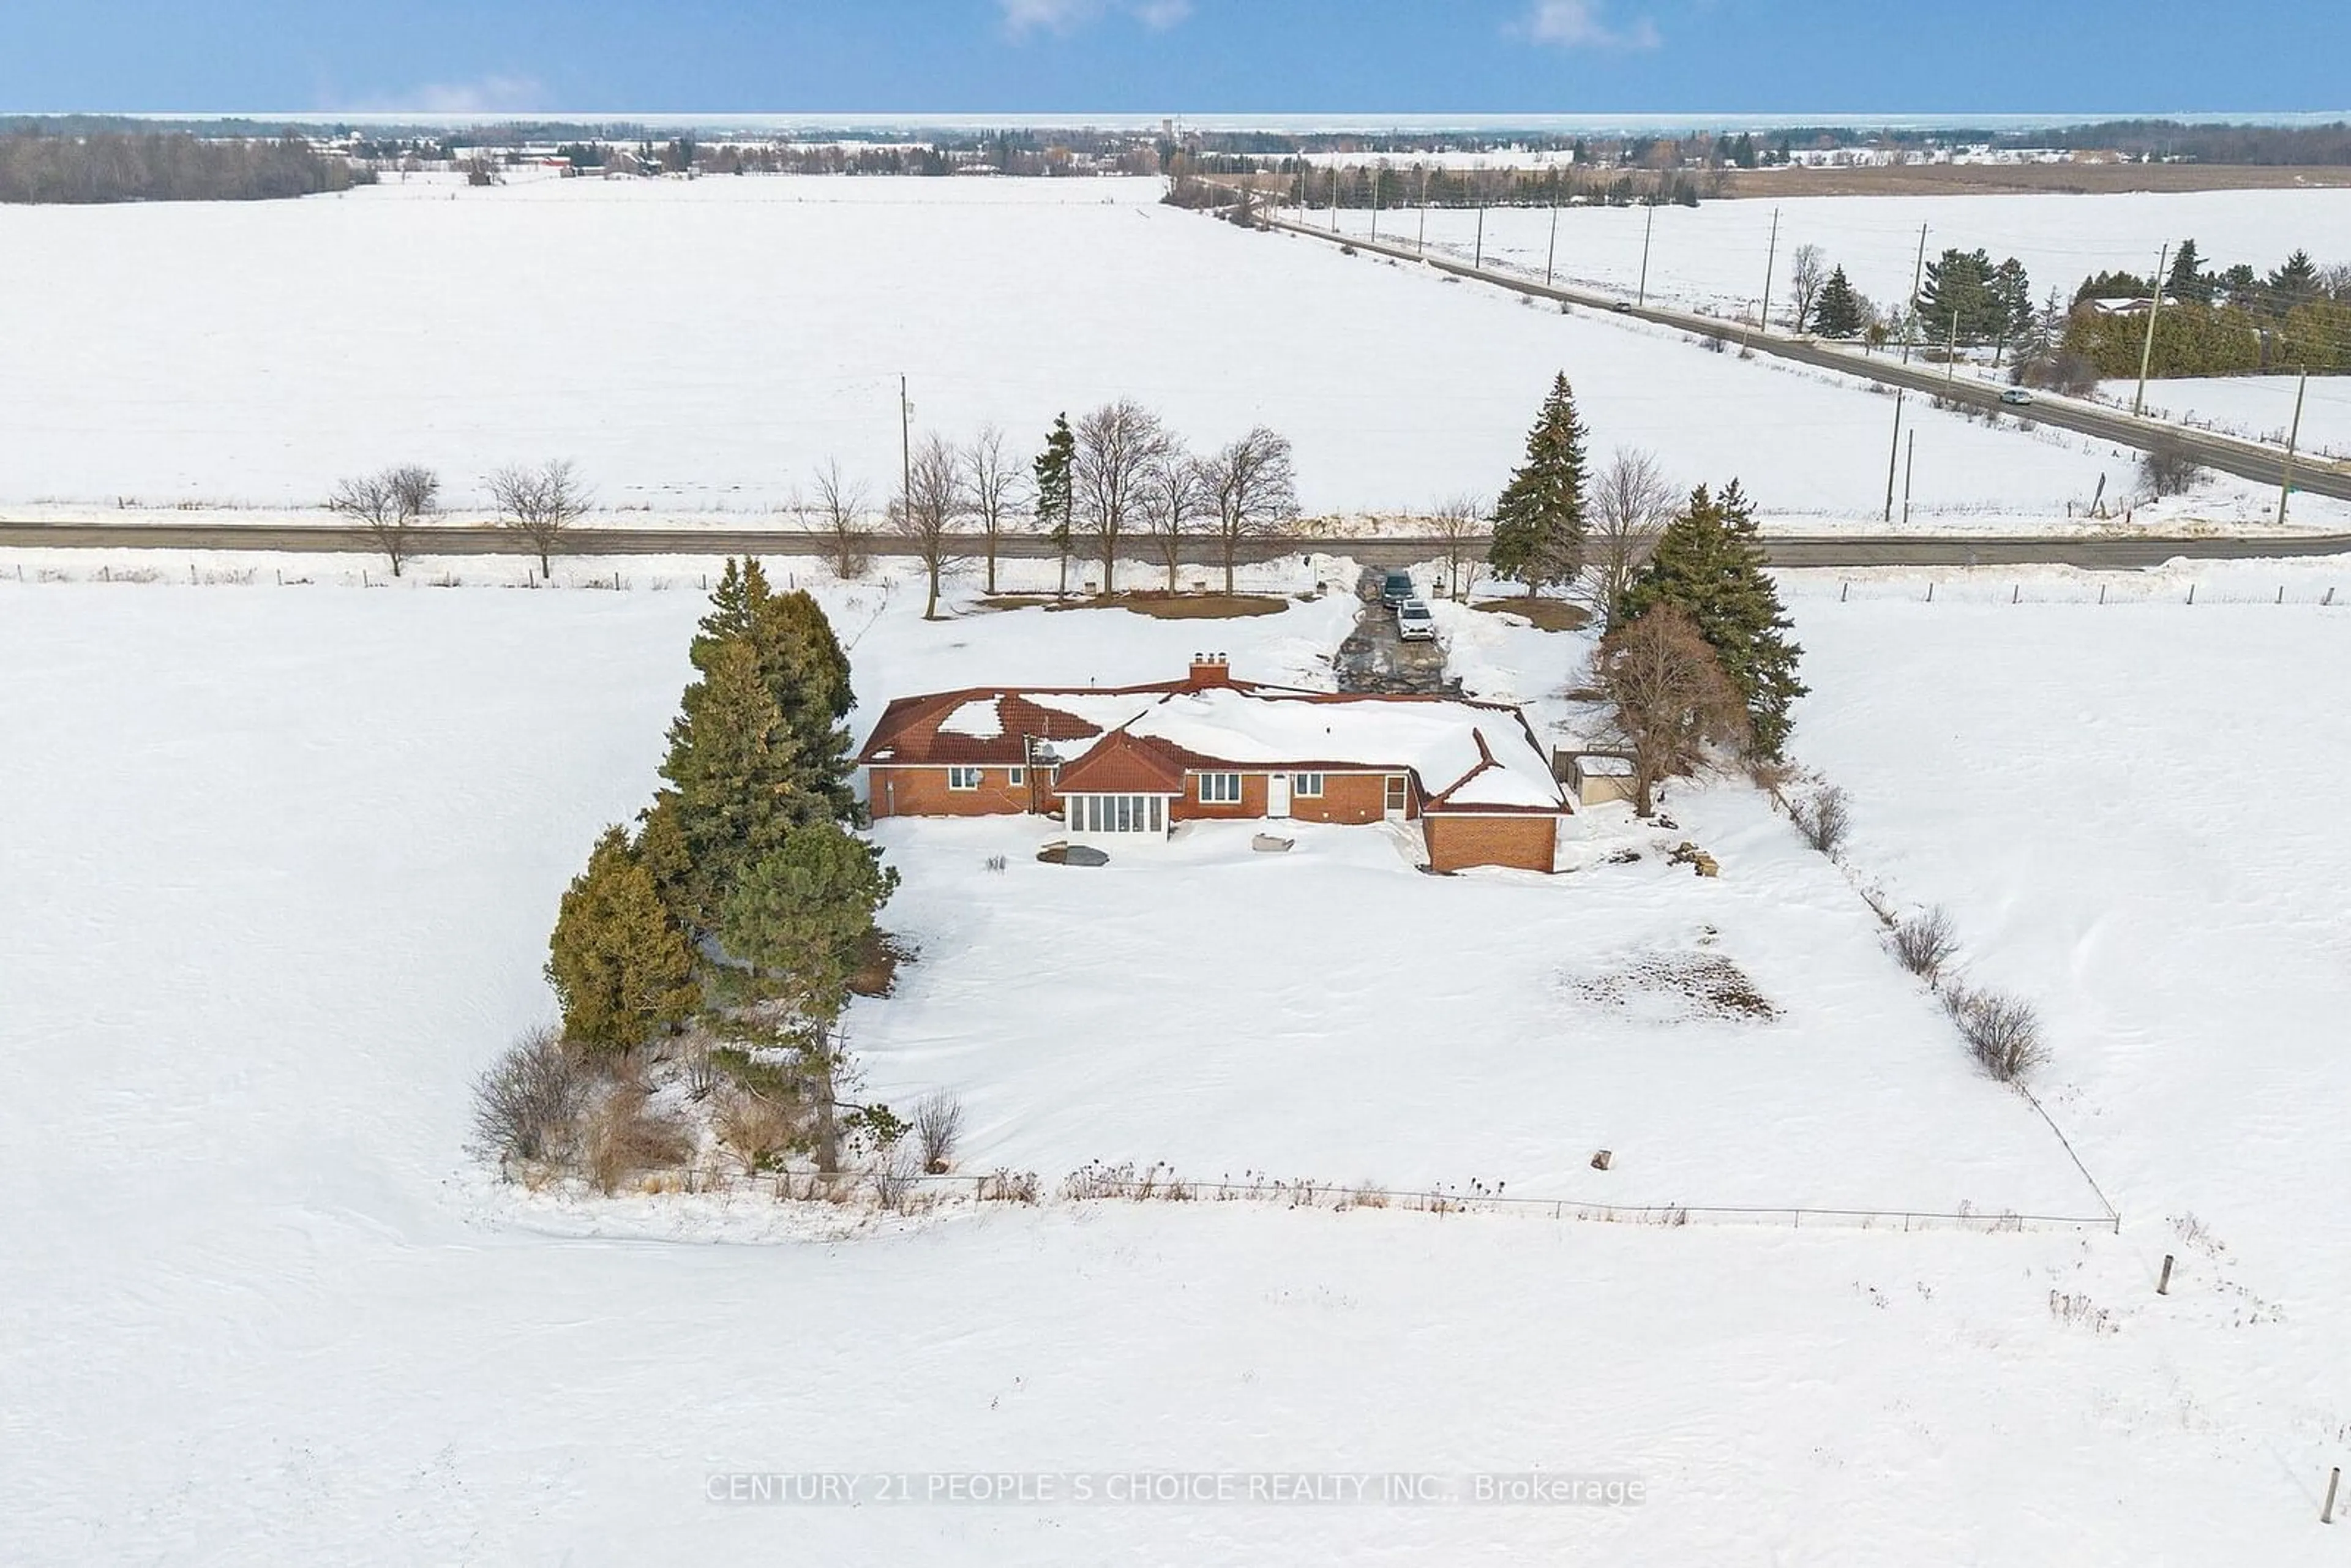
[1209,670]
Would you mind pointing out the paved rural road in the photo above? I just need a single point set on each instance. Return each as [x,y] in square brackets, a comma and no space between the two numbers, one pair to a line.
[2244,458]
[2111,553]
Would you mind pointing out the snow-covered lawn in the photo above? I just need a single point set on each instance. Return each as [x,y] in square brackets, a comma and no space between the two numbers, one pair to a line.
[279,866]
[699,348]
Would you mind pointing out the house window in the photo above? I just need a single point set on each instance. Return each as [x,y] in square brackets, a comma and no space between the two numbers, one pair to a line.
[962,778]
[1019,775]
[1308,785]
[1220,789]
[1117,814]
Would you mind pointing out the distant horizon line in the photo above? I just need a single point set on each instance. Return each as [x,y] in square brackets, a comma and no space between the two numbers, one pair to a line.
[1331,122]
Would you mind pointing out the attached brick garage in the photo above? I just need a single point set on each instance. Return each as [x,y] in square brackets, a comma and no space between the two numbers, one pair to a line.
[1140,760]
[1457,841]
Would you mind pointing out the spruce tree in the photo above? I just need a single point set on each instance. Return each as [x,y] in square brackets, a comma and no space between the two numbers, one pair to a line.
[620,965]
[1538,517]
[1710,562]
[801,914]
[735,769]
[1837,312]
[1053,495]
[806,673]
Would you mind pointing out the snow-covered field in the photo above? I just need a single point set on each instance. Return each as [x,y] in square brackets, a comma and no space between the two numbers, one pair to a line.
[279,867]
[1713,256]
[2260,408]
[700,348]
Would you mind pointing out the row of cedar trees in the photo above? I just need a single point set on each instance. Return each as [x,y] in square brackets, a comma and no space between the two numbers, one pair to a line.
[1696,652]
[743,904]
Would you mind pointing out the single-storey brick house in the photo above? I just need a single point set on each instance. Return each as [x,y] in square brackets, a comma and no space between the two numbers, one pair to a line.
[1140,759]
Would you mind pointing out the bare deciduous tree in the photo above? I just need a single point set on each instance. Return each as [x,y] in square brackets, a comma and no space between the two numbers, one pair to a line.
[929,515]
[389,507]
[1174,496]
[1629,506]
[991,480]
[1808,269]
[839,509]
[1252,491]
[1462,522]
[1671,698]
[540,504]
[1116,446]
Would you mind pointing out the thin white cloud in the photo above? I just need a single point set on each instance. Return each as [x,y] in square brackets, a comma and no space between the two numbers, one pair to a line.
[491,94]
[1066,16]
[1579,25]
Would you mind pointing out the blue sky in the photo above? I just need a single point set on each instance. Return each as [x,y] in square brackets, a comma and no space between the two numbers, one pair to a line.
[1199,56]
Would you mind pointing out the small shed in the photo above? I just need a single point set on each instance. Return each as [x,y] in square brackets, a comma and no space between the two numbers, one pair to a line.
[1596,777]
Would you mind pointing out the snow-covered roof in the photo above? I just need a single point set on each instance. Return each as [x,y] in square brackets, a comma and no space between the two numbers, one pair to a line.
[981,718]
[1472,754]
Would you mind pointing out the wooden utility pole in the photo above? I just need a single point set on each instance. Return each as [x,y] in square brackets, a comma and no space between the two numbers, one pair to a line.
[1421,244]
[2293,434]
[905,446]
[1478,260]
[1894,454]
[1770,260]
[1552,254]
[1334,197]
[1917,281]
[1951,361]
[1909,462]
[1376,201]
[1641,293]
[2146,352]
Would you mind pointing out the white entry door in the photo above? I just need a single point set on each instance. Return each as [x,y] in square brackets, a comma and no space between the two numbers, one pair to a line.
[1277,794]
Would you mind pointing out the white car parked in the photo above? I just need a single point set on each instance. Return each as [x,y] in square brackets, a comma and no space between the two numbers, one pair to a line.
[1413,622]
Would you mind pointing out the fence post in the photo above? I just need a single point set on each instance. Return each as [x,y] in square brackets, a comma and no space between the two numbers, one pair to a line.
[2334,1479]
[2015,593]
[1930,591]
[2191,593]
[2163,1286]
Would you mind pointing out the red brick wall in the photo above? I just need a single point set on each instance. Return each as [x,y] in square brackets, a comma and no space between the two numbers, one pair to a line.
[1455,842]
[924,792]
[1345,798]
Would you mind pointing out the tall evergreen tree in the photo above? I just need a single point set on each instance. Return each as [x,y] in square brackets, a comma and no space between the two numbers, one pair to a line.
[2295,283]
[1837,312]
[2188,281]
[806,673]
[1054,497]
[800,662]
[735,776]
[620,965]
[1538,523]
[1963,284]
[1710,562]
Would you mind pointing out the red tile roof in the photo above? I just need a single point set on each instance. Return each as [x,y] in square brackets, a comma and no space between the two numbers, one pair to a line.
[1124,764]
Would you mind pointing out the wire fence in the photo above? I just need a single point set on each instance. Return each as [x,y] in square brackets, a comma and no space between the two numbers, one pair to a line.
[1921,585]
[883,1189]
